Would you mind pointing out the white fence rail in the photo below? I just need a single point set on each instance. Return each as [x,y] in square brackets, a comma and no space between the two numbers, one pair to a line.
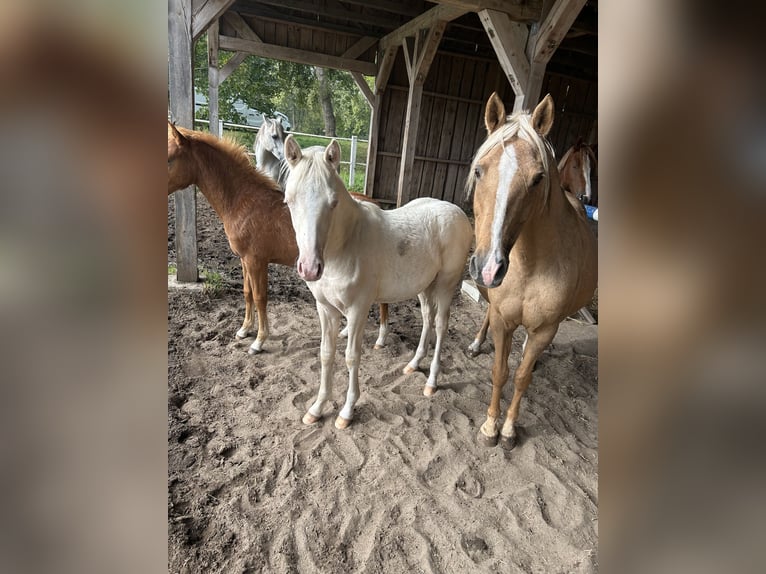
[354,140]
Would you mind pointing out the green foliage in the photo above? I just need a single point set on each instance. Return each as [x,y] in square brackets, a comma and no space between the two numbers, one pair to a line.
[214,283]
[269,85]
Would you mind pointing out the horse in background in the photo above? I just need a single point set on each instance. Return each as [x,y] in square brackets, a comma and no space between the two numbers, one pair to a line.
[535,253]
[575,170]
[353,253]
[269,150]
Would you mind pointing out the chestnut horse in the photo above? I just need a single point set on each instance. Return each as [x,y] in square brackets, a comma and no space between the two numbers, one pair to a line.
[251,206]
[353,254]
[575,171]
[535,253]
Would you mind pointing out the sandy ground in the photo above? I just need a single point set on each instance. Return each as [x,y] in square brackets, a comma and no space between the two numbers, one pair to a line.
[406,488]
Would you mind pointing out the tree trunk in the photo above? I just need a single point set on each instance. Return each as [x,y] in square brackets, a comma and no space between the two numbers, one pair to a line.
[326,101]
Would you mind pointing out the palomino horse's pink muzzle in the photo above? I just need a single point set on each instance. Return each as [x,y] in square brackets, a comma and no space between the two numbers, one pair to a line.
[488,272]
[310,268]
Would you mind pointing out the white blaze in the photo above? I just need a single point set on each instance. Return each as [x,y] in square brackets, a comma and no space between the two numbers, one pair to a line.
[507,169]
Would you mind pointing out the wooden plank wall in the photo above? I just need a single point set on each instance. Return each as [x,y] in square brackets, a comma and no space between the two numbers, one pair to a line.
[451,126]
[576,104]
[452,123]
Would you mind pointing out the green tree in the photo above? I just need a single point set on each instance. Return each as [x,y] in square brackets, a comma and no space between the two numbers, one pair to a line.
[270,85]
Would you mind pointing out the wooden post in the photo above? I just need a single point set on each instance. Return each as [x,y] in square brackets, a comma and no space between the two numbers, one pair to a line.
[352,163]
[212,75]
[418,55]
[385,64]
[182,110]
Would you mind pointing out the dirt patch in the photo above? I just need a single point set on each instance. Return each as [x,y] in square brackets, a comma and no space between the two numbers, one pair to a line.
[406,488]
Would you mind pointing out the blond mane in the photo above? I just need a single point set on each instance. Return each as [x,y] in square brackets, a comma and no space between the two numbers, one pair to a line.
[518,124]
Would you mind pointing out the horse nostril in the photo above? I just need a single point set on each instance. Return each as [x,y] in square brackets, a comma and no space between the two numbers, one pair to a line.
[320,267]
[473,268]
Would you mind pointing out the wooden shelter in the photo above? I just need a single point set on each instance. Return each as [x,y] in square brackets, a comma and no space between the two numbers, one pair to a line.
[435,64]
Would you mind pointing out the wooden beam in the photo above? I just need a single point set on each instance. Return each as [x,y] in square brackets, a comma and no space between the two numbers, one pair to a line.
[361,83]
[534,85]
[360,47]
[241,27]
[230,66]
[205,12]
[420,54]
[442,12]
[554,28]
[294,55]
[518,10]
[509,40]
[213,77]
[180,55]
[372,142]
[385,65]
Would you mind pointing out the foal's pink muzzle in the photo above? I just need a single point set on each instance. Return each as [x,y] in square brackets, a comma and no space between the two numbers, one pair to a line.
[310,268]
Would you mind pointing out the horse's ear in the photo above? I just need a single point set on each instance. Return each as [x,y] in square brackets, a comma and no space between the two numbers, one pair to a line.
[173,133]
[293,152]
[494,113]
[542,117]
[332,154]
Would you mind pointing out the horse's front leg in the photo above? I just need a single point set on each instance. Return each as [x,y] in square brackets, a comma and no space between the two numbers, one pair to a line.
[329,320]
[502,335]
[356,321]
[481,336]
[534,345]
[247,324]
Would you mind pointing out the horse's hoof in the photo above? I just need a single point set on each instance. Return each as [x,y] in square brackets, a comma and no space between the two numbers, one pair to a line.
[487,441]
[242,334]
[378,347]
[341,423]
[408,370]
[255,348]
[508,442]
[429,391]
[309,419]
[472,352]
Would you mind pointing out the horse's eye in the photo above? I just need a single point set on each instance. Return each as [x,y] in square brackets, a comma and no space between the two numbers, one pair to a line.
[477,172]
[275,136]
[537,179]
[334,203]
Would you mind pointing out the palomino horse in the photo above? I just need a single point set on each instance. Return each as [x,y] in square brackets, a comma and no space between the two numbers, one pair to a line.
[251,206]
[575,170]
[270,152]
[353,254]
[535,253]
[574,173]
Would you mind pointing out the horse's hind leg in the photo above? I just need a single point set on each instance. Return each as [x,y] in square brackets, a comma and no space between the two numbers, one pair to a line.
[535,344]
[427,310]
[247,325]
[383,330]
[259,281]
[481,336]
